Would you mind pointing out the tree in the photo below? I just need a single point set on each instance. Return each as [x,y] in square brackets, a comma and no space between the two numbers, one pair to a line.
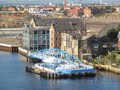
[1,8]
[65,12]
[112,34]
[91,40]
[118,28]
[109,9]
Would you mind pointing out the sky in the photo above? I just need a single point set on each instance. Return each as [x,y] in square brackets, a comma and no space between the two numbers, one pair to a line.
[55,1]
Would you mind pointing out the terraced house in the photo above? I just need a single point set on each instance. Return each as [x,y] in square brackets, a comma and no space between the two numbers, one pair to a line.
[62,33]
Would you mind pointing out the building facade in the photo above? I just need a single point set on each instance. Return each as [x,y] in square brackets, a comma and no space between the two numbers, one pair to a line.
[35,38]
[87,12]
[65,34]
[71,43]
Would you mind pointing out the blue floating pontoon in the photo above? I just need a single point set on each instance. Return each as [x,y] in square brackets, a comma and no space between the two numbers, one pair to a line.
[59,61]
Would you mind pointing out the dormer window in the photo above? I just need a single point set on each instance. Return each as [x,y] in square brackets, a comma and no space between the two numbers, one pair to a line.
[28,25]
[74,23]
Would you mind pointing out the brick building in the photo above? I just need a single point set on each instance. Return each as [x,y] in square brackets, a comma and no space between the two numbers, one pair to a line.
[119,41]
[65,33]
[87,12]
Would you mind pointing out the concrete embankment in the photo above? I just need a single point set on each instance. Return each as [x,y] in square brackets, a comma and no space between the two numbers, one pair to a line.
[23,51]
[13,48]
[7,47]
[16,48]
[104,67]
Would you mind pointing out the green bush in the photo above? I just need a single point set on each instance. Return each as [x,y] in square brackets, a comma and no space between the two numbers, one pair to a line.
[118,62]
[94,61]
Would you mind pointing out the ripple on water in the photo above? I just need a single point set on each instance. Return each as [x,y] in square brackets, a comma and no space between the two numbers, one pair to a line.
[14,77]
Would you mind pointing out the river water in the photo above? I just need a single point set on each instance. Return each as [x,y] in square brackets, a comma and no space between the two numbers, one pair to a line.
[14,77]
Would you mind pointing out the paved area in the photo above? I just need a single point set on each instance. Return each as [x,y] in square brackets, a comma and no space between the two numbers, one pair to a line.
[11,40]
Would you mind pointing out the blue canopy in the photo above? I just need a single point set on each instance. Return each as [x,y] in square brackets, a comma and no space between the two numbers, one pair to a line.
[54,52]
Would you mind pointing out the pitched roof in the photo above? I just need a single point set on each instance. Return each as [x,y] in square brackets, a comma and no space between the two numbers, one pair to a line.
[118,35]
[67,26]
[61,23]
[76,35]
[43,21]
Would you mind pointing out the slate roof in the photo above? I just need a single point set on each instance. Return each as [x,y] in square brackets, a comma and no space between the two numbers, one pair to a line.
[61,23]
[68,26]
[76,35]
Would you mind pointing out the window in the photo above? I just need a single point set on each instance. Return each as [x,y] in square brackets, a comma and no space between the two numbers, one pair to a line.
[76,43]
[56,39]
[35,37]
[39,32]
[40,37]
[48,42]
[39,46]
[51,38]
[84,51]
[43,37]
[47,32]
[51,44]
[42,46]
[47,36]
[28,25]
[43,32]
[35,32]
[47,46]
[68,38]
[68,44]
[44,42]
[35,46]
[31,47]
[35,41]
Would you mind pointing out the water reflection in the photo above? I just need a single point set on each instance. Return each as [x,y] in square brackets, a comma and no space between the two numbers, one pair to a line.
[14,77]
